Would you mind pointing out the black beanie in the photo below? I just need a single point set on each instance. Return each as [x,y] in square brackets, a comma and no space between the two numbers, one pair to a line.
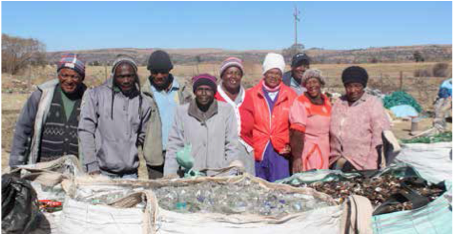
[159,61]
[355,74]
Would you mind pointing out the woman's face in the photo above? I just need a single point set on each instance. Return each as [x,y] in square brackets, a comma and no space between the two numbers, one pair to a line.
[231,78]
[314,87]
[354,91]
[273,78]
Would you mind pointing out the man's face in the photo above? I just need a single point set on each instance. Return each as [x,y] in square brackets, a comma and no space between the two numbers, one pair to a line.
[231,78]
[204,95]
[69,80]
[354,91]
[159,77]
[125,77]
[273,78]
[298,71]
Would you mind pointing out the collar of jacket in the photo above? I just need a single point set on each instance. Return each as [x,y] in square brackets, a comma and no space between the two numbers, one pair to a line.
[358,102]
[146,87]
[282,93]
[195,112]
[174,86]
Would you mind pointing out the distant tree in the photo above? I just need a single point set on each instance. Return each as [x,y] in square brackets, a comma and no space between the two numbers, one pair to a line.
[294,49]
[374,60]
[96,63]
[418,57]
[18,53]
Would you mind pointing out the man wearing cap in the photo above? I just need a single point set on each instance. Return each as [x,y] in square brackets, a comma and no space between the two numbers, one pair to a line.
[357,123]
[164,93]
[113,121]
[207,126]
[47,125]
[272,101]
[233,93]
[292,78]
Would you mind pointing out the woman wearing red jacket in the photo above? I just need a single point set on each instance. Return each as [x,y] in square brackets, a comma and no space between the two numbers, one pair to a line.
[272,101]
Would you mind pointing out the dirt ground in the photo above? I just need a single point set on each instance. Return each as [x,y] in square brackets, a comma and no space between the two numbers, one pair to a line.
[15,90]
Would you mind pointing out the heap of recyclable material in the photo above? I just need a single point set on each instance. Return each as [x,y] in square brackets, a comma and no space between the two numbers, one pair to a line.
[401,98]
[442,137]
[380,189]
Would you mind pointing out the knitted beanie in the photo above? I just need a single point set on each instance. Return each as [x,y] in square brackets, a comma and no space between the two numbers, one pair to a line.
[71,61]
[355,74]
[159,61]
[313,73]
[273,61]
[229,62]
[124,59]
[204,79]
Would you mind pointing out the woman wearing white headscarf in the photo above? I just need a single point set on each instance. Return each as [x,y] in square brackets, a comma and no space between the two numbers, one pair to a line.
[272,100]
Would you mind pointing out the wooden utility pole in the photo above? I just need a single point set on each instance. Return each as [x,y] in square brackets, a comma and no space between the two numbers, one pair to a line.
[295,15]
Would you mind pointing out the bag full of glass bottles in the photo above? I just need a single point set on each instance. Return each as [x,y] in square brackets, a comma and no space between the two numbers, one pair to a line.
[233,204]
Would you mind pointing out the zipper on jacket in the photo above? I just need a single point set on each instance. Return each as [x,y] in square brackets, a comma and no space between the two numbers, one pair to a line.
[204,123]
[269,112]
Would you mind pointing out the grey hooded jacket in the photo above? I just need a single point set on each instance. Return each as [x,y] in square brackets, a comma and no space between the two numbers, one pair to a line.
[111,128]
[214,138]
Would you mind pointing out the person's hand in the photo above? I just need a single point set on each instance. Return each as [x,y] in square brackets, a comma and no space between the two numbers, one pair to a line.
[297,165]
[98,172]
[286,150]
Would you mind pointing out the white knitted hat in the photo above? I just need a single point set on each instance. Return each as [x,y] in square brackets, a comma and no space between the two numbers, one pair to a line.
[273,61]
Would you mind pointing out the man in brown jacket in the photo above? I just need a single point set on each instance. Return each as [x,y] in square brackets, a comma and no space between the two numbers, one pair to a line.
[164,93]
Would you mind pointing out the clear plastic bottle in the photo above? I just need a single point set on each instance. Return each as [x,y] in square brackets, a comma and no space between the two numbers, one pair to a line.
[181,205]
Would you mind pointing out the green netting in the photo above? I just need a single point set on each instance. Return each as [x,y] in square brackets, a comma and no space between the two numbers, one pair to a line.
[401,98]
[442,137]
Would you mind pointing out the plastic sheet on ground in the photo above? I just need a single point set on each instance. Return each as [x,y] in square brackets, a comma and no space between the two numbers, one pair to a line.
[404,111]
[432,161]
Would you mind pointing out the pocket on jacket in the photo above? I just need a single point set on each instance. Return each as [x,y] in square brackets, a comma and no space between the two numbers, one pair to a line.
[117,156]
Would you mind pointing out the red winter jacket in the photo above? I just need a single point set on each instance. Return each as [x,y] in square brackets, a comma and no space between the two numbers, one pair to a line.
[273,126]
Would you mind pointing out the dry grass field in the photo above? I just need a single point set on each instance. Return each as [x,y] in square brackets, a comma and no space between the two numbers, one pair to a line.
[383,76]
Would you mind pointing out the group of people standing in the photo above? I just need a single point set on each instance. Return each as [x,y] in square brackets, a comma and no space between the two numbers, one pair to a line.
[282,125]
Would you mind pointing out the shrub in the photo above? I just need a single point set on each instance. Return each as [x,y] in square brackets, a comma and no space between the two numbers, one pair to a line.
[422,73]
[440,70]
